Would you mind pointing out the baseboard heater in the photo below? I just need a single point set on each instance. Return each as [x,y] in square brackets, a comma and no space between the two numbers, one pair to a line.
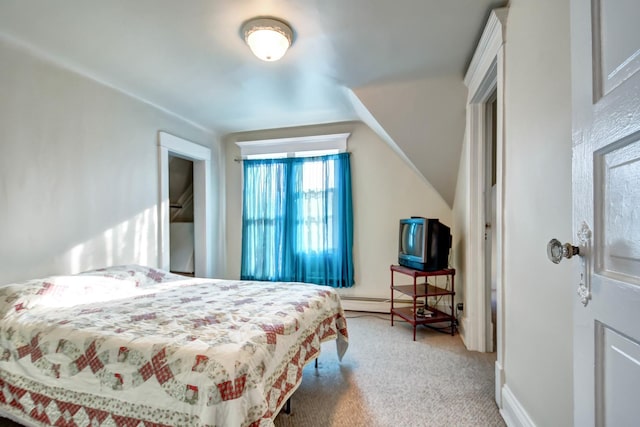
[377,305]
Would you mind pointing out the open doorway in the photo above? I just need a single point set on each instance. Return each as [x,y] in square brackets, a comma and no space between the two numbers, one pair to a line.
[200,157]
[181,234]
[490,179]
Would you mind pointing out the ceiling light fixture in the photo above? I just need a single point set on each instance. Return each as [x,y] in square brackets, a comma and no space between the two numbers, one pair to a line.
[268,38]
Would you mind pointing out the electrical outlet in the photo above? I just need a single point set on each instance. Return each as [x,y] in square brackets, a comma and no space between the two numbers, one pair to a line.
[460,306]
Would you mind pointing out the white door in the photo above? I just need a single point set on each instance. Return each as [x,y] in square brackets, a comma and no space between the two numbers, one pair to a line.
[605,47]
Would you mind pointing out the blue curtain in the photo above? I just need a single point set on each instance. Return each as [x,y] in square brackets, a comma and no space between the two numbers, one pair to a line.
[297,221]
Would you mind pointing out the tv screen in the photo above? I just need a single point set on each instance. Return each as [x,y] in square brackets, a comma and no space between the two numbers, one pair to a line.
[424,244]
[412,234]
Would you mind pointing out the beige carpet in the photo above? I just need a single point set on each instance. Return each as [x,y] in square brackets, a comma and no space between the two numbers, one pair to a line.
[386,379]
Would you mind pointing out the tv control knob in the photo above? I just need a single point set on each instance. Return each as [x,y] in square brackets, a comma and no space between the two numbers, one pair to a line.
[556,251]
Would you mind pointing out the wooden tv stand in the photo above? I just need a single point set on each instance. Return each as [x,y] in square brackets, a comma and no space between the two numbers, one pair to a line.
[423,290]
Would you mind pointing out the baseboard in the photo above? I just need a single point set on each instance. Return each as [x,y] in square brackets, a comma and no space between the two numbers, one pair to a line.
[462,330]
[512,411]
[499,382]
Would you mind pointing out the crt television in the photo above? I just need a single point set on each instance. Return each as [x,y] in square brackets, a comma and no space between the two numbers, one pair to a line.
[424,244]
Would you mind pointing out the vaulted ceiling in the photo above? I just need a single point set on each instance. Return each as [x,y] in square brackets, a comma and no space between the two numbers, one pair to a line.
[397,65]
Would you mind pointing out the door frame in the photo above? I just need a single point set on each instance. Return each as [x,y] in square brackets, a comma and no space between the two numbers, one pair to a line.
[485,76]
[202,219]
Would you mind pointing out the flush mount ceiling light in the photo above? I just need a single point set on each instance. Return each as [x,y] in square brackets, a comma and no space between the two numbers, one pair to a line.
[268,38]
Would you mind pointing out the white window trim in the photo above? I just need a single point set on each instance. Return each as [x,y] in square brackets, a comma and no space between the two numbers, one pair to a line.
[294,145]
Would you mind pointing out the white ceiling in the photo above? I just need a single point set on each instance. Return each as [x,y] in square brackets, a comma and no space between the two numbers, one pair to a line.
[188,56]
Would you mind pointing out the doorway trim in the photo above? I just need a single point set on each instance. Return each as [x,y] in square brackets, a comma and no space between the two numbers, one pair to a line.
[485,76]
[202,223]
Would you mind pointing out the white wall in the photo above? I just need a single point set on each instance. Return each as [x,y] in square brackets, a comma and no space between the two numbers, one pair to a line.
[460,226]
[384,190]
[79,182]
[538,294]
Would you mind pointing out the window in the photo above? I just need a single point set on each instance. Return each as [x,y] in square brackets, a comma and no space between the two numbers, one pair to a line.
[297,218]
[316,199]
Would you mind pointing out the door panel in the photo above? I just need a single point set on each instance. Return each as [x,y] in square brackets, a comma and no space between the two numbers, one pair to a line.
[617,198]
[616,52]
[618,372]
[605,60]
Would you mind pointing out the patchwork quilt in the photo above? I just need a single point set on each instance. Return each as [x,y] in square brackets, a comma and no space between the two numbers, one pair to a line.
[135,346]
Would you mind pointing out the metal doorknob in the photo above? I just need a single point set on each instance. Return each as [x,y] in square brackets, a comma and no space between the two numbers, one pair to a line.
[556,251]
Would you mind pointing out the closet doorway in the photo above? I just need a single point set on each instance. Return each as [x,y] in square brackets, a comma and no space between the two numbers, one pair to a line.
[181,234]
[200,157]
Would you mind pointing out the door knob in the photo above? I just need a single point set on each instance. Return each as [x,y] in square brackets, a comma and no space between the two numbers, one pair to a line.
[556,251]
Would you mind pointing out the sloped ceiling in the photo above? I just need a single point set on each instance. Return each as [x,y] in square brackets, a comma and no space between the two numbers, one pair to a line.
[429,128]
[188,57]
[180,189]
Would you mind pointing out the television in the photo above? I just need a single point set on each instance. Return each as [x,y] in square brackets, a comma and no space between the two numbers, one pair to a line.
[424,244]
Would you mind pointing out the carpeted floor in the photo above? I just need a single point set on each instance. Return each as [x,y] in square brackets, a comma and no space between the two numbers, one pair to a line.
[386,379]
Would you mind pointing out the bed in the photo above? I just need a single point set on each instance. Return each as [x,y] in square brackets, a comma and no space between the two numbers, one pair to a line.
[136,346]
